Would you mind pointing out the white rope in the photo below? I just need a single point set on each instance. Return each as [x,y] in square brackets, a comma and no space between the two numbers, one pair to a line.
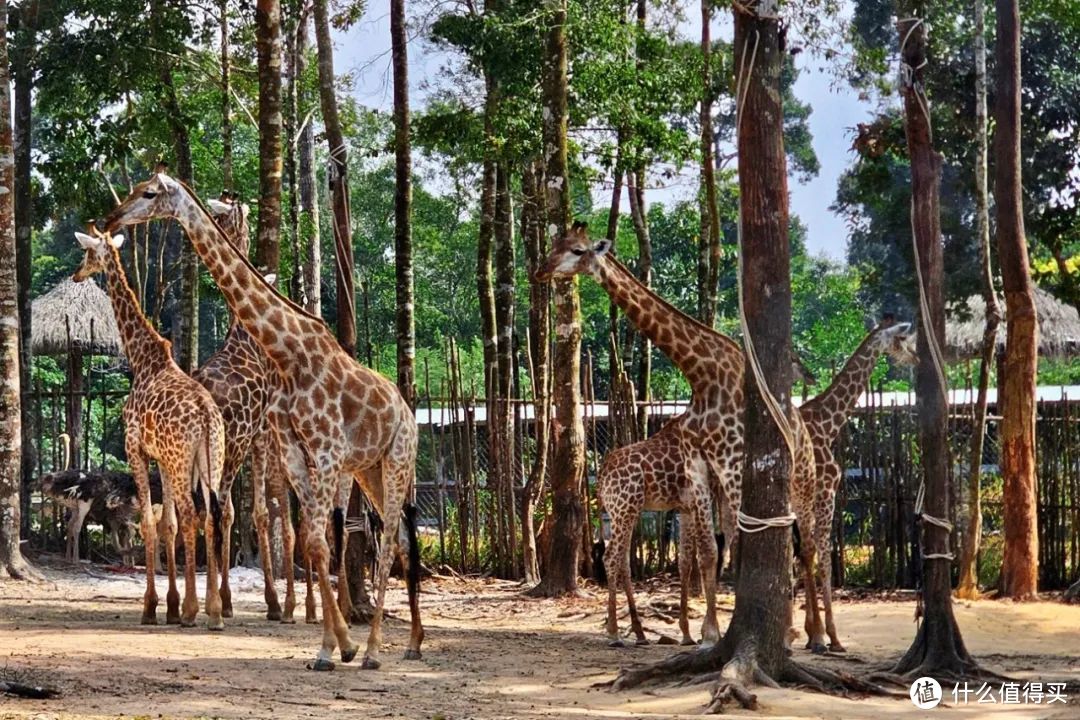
[939,522]
[357,524]
[752,524]
[771,403]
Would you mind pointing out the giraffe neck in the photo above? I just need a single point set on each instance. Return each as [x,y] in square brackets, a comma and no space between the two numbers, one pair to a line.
[148,353]
[255,306]
[671,330]
[829,410]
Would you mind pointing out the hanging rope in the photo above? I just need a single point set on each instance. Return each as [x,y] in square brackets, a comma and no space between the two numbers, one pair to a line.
[747,523]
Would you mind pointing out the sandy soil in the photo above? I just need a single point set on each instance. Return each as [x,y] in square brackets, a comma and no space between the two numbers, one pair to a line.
[489,653]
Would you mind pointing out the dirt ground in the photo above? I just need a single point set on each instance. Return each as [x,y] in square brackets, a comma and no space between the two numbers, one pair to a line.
[490,653]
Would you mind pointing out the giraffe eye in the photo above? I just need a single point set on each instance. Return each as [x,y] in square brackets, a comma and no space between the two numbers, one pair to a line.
[578,251]
[149,194]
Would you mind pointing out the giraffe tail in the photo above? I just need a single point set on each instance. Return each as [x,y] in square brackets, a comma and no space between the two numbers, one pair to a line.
[215,514]
[412,574]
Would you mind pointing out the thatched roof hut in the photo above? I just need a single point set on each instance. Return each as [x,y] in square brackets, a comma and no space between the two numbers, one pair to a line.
[1059,328]
[74,316]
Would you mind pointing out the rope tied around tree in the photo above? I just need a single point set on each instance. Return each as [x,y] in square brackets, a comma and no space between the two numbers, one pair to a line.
[790,434]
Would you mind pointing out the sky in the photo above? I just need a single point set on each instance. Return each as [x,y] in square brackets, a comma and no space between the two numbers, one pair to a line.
[364,52]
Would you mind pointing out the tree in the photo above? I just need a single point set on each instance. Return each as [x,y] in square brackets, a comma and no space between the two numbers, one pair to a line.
[337,173]
[1020,566]
[268,44]
[403,251]
[226,100]
[12,563]
[568,459]
[309,203]
[968,587]
[709,236]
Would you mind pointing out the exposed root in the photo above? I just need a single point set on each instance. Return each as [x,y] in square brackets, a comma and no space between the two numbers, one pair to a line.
[32,692]
[831,682]
[541,591]
[728,691]
[18,569]
[691,662]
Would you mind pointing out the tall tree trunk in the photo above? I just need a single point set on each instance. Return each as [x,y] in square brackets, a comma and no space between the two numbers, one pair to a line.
[535,241]
[268,46]
[1020,566]
[504,322]
[568,462]
[337,172]
[403,252]
[763,589]
[12,563]
[22,70]
[290,111]
[938,646]
[309,202]
[226,99]
[968,588]
[636,189]
[709,243]
[612,237]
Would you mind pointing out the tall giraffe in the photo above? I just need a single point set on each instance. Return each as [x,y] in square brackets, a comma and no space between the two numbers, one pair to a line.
[239,377]
[334,418]
[170,418]
[709,433]
[814,501]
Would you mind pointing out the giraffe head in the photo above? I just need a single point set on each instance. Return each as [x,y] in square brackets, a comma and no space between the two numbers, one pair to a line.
[573,253]
[96,249]
[897,340]
[154,198]
[231,215]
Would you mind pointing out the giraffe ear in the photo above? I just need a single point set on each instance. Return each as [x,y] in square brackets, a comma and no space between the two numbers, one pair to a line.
[117,241]
[271,278]
[601,247]
[87,242]
[218,208]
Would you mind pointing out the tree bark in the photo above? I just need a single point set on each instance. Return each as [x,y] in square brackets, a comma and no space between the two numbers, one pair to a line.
[403,253]
[12,563]
[22,70]
[636,190]
[968,588]
[338,180]
[268,46]
[938,646]
[1020,566]
[290,112]
[309,201]
[226,99]
[536,248]
[763,590]
[709,242]
[568,462]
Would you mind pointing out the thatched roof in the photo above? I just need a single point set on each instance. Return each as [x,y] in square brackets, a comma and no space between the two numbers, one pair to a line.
[81,309]
[1059,328]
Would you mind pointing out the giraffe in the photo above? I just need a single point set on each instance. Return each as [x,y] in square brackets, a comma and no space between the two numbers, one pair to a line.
[815,500]
[238,377]
[709,433]
[334,418]
[169,418]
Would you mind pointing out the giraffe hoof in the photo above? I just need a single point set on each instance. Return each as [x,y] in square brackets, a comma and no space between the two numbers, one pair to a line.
[148,620]
[411,654]
[273,615]
[370,663]
[347,656]
[641,642]
[617,643]
[288,620]
[215,625]
[172,620]
[321,665]
[226,612]
[184,622]
[687,642]
[837,648]
[818,649]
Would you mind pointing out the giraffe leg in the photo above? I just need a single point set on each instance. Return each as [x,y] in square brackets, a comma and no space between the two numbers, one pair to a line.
[149,530]
[227,515]
[310,616]
[341,544]
[824,553]
[188,527]
[392,503]
[259,464]
[815,634]
[616,557]
[687,551]
[705,541]
[215,612]
[628,588]
[168,539]
[288,539]
[75,526]
[412,575]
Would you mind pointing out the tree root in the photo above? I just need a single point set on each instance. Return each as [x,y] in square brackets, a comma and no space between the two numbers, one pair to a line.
[19,569]
[32,692]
